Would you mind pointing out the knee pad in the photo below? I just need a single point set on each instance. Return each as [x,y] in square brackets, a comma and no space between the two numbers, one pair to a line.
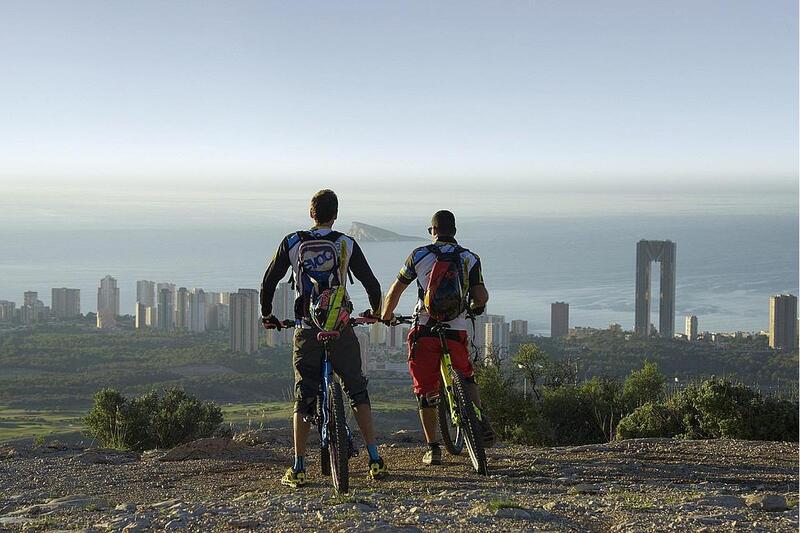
[359,398]
[428,400]
[305,406]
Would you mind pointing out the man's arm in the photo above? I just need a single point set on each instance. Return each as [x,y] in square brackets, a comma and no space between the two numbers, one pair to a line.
[363,273]
[478,294]
[275,271]
[405,278]
[392,299]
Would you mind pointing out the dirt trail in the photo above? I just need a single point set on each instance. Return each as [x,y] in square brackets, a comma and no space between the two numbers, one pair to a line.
[638,485]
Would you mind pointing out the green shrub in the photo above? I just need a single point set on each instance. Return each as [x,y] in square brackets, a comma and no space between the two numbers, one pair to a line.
[649,420]
[713,409]
[644,385]
[150,421]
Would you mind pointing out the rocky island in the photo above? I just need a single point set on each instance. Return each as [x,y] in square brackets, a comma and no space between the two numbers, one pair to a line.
[366,233]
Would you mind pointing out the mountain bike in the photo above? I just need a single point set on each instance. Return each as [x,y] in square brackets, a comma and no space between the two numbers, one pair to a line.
[458,416]
[336,439]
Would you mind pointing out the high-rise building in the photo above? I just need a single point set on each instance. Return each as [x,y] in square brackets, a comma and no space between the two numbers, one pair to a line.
[691,328]
[166,309]
[783,322]
[394,336]
[559,319]
[151,317]
[66,303]
[197,311]
[107,303]
[33,310]
[519,329]
[7,310]
[646,253]
[146,292]
[182,309]
[497,335]
[140,318]
[245,321]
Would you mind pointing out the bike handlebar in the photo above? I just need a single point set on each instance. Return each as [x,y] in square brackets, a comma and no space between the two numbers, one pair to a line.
[358,321]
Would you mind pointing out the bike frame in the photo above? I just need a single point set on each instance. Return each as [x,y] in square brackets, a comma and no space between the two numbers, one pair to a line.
[445,369]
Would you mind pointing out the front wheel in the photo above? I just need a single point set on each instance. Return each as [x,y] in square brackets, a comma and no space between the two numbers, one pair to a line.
[452,436]
[470,426]
[337,434]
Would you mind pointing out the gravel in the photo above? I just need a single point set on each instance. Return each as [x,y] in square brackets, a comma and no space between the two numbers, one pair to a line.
[637,485]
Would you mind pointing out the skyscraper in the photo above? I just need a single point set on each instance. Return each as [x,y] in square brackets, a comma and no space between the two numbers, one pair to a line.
[166,310]
[559,319]
[197,311]
[691,328]
[497,335]
[283,309]
[363,344]
[66,303]
[146,292]
[245,321]
[646,253]
[32,310]
[107,303]
[7,310]
[140,318]
[519,329]
[783,322]
[182,309]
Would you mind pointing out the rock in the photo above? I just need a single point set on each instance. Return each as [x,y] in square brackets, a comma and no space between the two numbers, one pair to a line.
[513,513]
[15,520]
[202,449]
[79,501]
[584,489]
[407,435]
[7,452]
[767,502]
[102,456]
[166,504]
[176,523]
[244,523]
[723,500]
[140,524]
[125,508]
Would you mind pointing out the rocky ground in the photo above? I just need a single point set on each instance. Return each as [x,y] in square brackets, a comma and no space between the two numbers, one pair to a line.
[223,485]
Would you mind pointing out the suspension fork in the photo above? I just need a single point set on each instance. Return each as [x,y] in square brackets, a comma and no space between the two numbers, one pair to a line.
[327,374]
[445,368]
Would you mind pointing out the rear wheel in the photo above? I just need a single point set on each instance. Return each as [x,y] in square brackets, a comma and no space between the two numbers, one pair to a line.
[470,426]
[452,436]
[338,447]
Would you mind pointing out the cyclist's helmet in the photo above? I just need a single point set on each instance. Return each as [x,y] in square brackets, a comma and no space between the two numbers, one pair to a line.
[330,310]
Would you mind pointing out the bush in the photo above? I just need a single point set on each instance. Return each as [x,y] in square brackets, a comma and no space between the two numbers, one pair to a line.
[714,409]
[649,420]
[150,421]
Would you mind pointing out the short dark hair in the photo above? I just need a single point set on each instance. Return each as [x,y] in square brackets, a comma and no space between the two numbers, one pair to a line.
[324,206]
[444,222]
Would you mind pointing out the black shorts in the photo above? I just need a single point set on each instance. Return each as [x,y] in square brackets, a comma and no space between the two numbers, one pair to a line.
[307,360]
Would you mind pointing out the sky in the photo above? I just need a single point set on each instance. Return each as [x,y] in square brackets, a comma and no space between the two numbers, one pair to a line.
[559,96]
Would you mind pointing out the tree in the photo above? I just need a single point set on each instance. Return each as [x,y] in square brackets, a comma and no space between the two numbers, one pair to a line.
[645,385]
[532,361]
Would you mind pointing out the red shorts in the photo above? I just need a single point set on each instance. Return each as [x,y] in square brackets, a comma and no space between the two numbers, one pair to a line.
[424,366]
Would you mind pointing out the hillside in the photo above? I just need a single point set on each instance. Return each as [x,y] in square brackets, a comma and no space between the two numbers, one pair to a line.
[638,485]
[366,233]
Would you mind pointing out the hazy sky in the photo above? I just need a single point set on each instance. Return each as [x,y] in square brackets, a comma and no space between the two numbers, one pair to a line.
[557,94]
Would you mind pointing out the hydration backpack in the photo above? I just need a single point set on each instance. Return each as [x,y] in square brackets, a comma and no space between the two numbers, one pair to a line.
[322,268]
[445,297]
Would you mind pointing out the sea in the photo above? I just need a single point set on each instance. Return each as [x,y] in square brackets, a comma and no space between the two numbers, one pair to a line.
[733,251]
